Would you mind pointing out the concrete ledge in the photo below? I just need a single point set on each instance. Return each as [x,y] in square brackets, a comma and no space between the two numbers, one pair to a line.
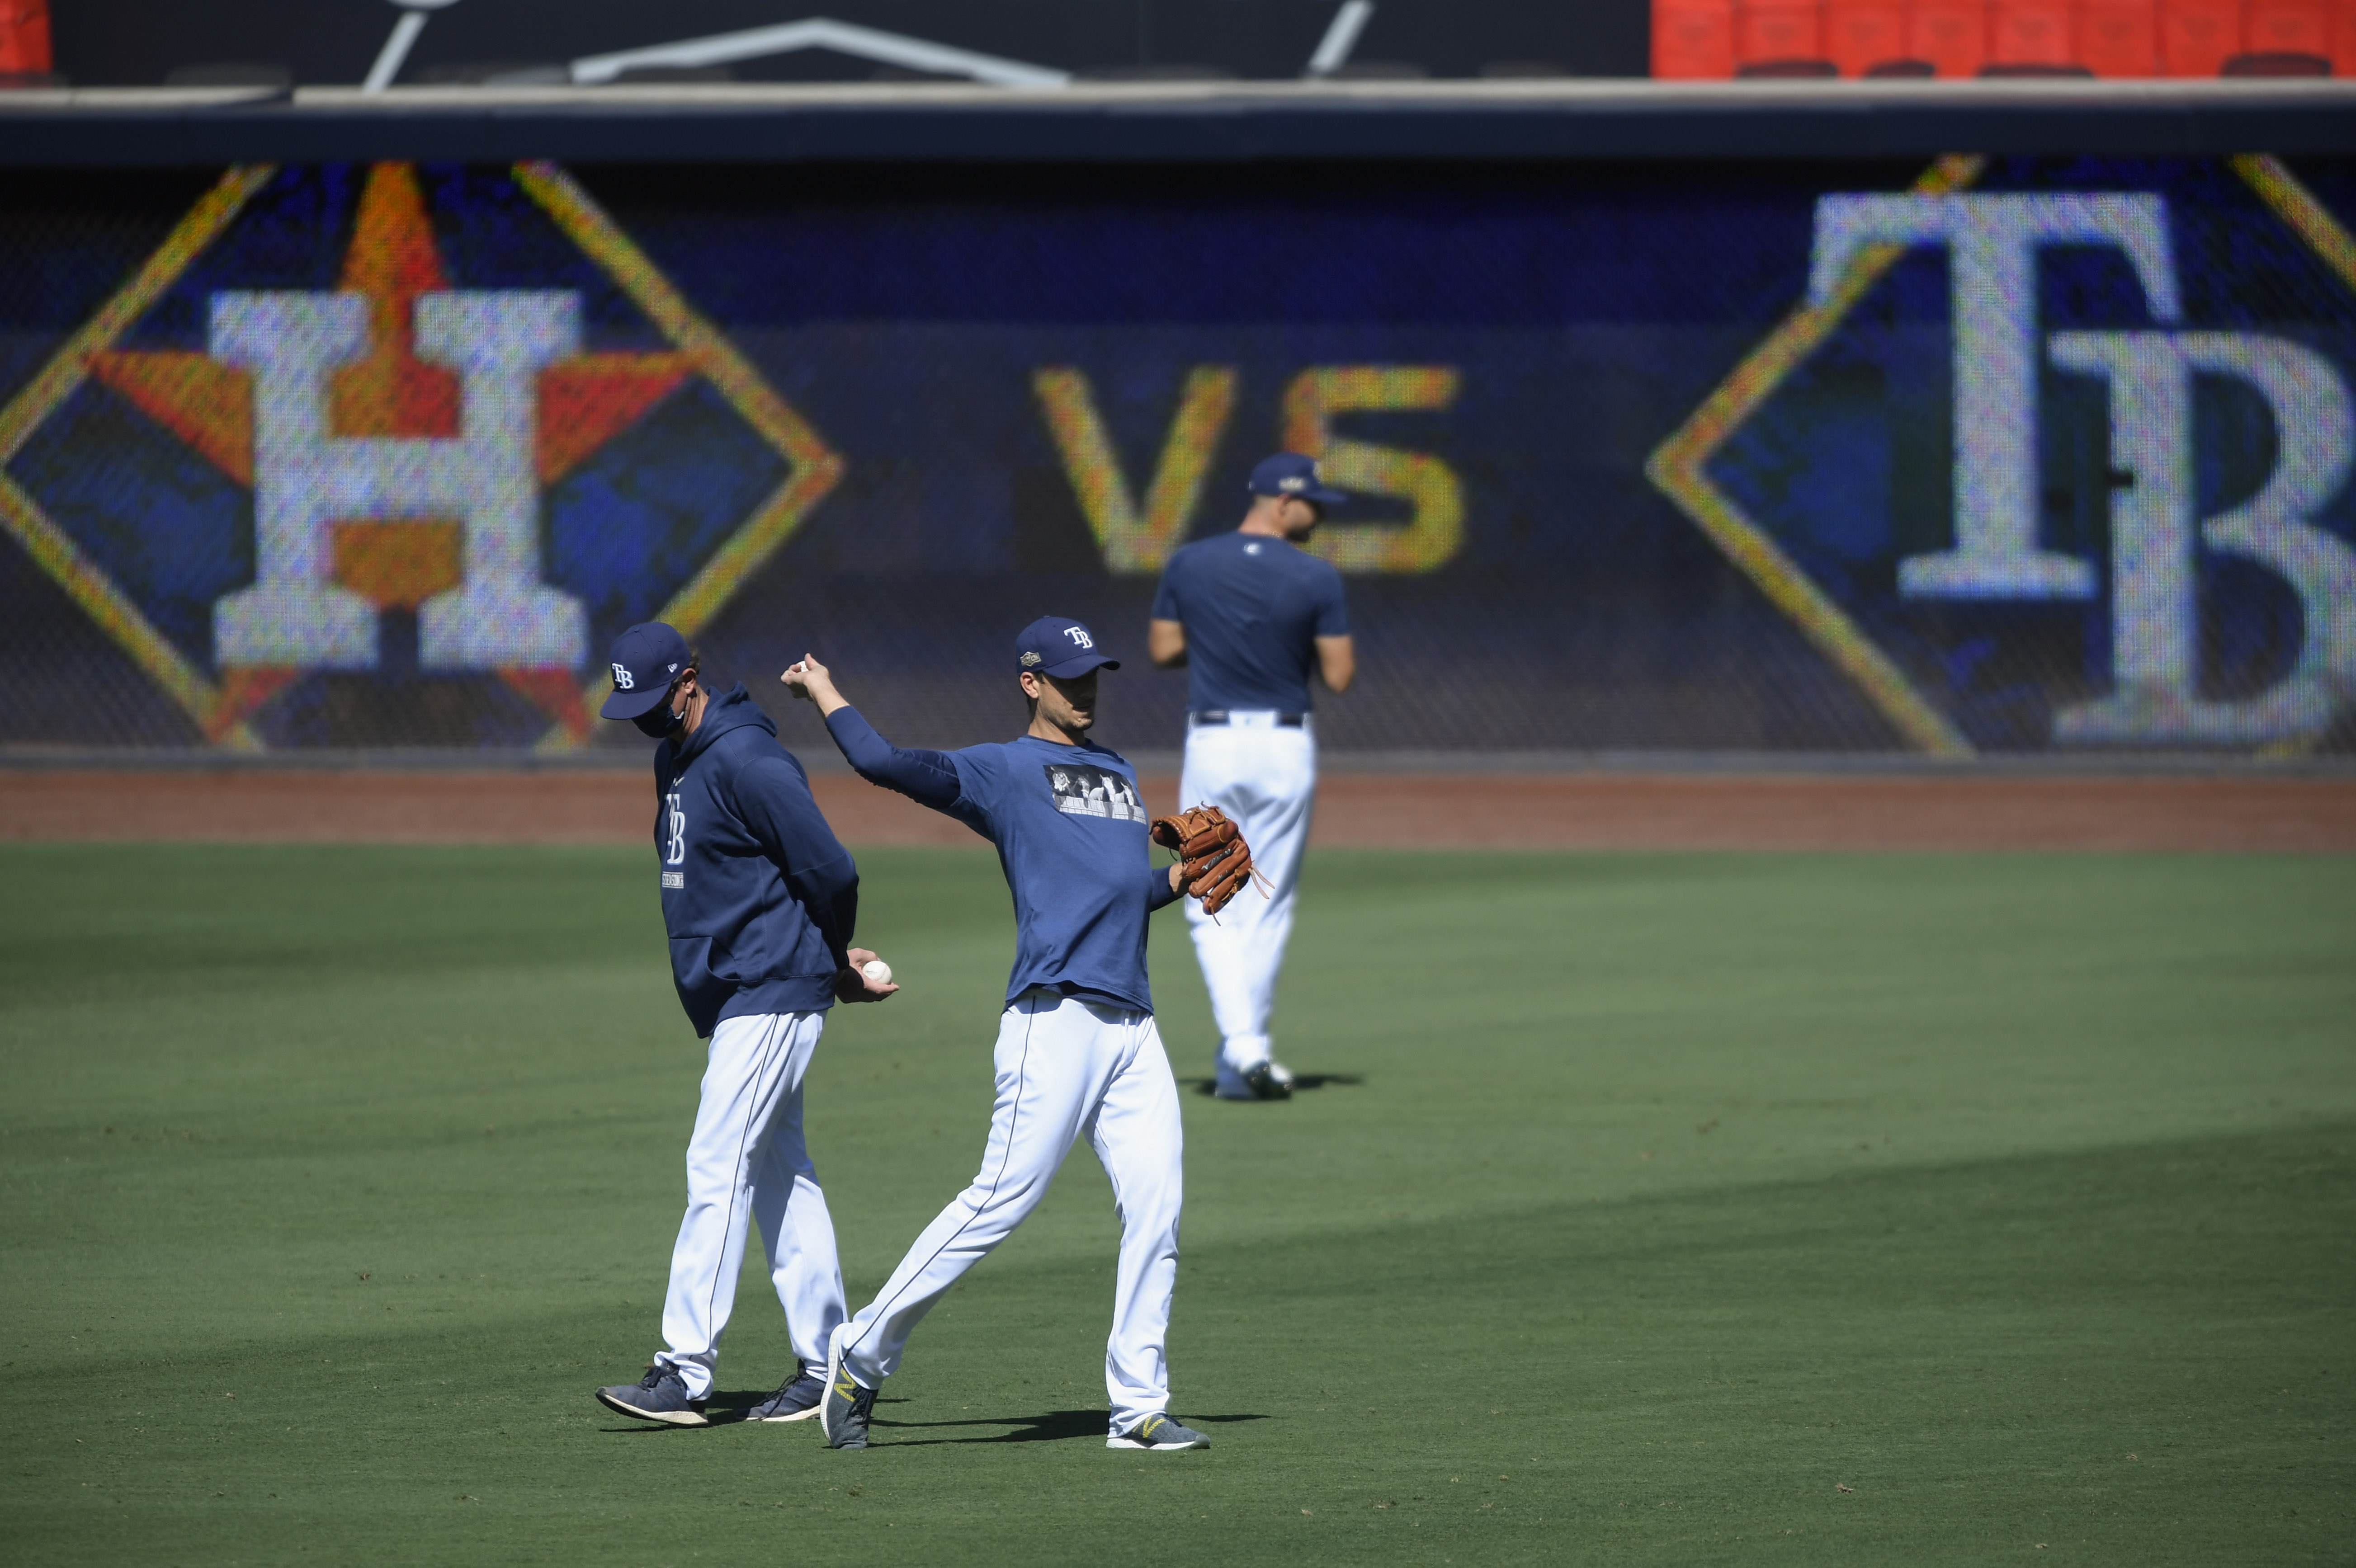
[1184,123]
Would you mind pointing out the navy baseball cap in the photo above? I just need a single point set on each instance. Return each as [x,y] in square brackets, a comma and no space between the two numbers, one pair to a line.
[1060,646]
[647,658]
[1289,474]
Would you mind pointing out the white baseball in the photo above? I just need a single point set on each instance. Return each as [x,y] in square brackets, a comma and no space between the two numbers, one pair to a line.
[876,970]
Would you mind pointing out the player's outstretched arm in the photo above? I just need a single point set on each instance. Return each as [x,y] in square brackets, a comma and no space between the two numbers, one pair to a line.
[929,778]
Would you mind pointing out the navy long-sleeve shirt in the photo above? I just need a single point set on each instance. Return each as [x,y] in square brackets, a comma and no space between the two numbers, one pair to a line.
[1070,827]
[759,898]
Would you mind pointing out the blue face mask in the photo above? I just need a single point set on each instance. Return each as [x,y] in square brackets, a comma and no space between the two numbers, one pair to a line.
[659,720]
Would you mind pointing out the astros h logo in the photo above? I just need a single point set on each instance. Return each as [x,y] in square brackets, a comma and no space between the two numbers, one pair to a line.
[2056,453]
[353,439]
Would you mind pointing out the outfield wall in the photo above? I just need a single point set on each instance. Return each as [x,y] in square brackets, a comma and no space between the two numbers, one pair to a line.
[1974,455]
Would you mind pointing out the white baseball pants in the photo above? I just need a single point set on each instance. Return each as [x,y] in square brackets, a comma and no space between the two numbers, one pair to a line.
[1264,776]
[746,1161]
[1066,1068]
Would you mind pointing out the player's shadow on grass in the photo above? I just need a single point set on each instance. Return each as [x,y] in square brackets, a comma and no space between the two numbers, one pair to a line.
[1055,1426]
[1209,1086]
[724,1408]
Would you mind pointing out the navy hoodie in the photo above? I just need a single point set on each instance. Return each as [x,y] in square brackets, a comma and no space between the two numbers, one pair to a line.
[758,897]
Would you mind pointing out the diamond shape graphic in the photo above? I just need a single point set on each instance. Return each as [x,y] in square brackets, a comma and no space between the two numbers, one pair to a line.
[1816,597]
[264,450]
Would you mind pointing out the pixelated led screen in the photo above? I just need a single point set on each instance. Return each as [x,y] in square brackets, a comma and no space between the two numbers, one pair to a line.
[1984,455]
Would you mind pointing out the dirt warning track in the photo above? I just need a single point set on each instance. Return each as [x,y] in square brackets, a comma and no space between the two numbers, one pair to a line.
[1467,811]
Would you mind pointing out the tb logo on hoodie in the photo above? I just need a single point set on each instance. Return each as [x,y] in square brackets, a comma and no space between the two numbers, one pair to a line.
[675,846]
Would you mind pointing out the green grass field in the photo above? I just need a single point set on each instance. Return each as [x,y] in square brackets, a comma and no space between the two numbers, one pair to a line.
[1662,1209]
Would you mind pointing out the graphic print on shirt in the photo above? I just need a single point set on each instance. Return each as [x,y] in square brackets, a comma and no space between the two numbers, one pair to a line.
[675,848]
[1083,791]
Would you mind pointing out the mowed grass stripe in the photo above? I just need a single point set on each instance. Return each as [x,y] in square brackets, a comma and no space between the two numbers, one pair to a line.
[1655,1200]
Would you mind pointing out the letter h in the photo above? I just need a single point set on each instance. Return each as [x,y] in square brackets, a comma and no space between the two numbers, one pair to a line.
[306,480]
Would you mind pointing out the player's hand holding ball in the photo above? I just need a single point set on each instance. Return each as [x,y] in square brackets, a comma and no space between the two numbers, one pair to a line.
[866,978]
[812,682]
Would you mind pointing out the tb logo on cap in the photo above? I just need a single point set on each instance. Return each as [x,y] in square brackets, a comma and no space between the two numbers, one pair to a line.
[622,681]
[1079,637]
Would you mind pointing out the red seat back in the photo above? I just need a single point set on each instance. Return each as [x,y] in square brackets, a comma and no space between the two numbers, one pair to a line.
[1776,30]
[2118,38]
[2286,27]
[2031,32]
[1693,39]
[2197,37]
[1951,34]
[1862,34]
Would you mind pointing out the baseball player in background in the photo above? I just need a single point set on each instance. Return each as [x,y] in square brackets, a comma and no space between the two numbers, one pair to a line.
[1077,1053]
[759,901]
[1250,615]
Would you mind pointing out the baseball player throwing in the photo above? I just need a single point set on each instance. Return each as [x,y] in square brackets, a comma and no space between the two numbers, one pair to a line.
[759,900]
[1077,1055]
[1250,615]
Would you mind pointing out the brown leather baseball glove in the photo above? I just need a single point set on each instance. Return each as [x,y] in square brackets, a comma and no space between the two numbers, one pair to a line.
[1216,861]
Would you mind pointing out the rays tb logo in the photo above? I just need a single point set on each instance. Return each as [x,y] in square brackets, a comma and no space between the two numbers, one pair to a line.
[674,831]
[2154,512]
[2062,459]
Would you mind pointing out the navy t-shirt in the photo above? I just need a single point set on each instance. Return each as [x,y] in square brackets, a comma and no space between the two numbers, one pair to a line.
[1252,606]
[1070,826]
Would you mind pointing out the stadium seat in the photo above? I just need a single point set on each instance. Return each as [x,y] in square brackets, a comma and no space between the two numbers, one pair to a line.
[2034,34]
[1778,38]
[2285,28]
[1859,35]
[1951,34]
[25,55]
[2118,38]
[1693,40]
[2197,37]
[1905,69]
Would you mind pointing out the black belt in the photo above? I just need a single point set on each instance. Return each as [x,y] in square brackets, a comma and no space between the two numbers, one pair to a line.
[1219,716]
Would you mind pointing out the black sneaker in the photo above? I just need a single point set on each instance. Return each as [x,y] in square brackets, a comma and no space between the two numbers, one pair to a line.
[1160,1434]
[842,1413]
[796,1399]
[661,1395]
[1269,1081]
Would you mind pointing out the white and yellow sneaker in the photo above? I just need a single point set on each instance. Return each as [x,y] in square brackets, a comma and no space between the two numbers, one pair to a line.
[1158,1433]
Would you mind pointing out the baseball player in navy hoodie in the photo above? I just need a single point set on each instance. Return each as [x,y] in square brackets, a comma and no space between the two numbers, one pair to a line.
[758,900]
